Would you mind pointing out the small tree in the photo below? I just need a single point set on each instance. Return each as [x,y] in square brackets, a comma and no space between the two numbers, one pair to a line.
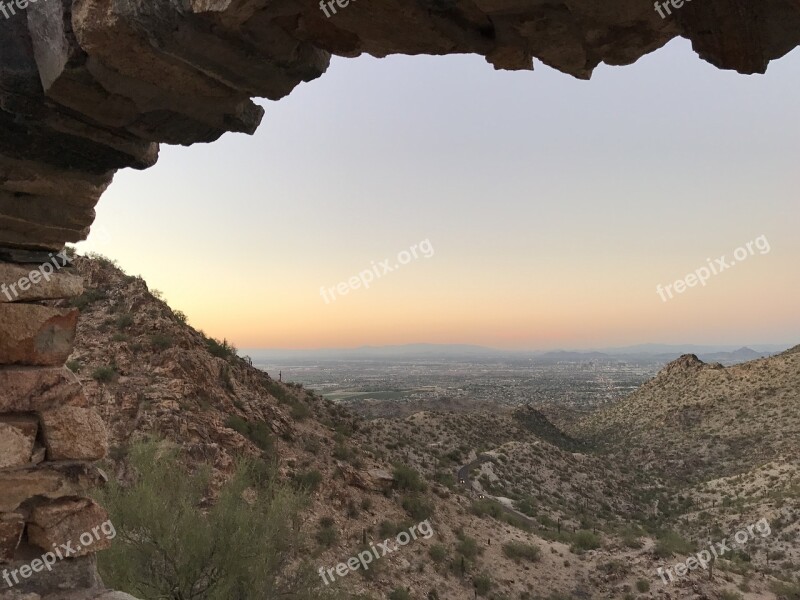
[169,548]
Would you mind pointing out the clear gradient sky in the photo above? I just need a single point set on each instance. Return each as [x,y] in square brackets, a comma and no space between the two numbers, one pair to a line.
[554,207]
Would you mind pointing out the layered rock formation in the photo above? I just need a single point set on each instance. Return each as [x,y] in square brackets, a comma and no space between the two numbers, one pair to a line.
[49,438]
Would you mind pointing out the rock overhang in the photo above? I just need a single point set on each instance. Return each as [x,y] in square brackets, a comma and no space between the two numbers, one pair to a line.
[91,86]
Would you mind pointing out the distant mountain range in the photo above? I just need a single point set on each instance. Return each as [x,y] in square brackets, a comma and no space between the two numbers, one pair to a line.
[642,352]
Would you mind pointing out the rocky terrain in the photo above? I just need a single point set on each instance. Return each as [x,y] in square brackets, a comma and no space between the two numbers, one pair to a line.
[601,519]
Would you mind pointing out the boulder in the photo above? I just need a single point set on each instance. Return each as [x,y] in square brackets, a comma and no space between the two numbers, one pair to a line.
[73,579]
[80,524]
[47,481]
[17,440]
[40,282]
[31,389]
[74,433]
[36,335]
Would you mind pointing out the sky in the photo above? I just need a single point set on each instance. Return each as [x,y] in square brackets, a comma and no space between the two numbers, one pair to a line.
[544,211]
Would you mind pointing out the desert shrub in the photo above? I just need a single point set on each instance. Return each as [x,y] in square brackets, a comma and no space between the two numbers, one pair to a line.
[730,595]
[643,585]
[585,540]
[468,547]
[438,553]
[278,391]
[308,480]
[167,546]
[399,594]
[406,478]
[220,349]
[527,506]
[389,528]
[416,506]
[238,424]
[445,478]
[124,321]
[486,507]
[104,374]
[482,583]
[327,534]
[670,543]
[88,298]
[344,452]
[299,411]
[161,341]
[74,366]
[518,551]
[257,432]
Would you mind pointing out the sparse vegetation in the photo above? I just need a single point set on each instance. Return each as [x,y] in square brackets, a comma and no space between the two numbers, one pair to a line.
[518,551]
[167,546]
[105,374]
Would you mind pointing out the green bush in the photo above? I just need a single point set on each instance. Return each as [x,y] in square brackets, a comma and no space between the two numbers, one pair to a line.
[399,594]
[585,540]
[299,411]
[308,480]
[406,478]
[87,298]
[168,546]
[327,534]
[483,584]
[419,508]
[643,585]
[161,341]
[468,547]
[124,321]
[670,543]
[257,432]
[438,553]
[485,507]
[104,374]
[518,551]
[220,349]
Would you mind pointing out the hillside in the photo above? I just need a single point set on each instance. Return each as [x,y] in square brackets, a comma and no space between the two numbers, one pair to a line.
[695,421]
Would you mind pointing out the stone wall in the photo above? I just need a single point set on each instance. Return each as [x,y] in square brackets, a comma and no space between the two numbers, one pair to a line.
[49,436]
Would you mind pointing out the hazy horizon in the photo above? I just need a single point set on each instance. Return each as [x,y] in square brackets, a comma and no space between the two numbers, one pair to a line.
[717,347]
